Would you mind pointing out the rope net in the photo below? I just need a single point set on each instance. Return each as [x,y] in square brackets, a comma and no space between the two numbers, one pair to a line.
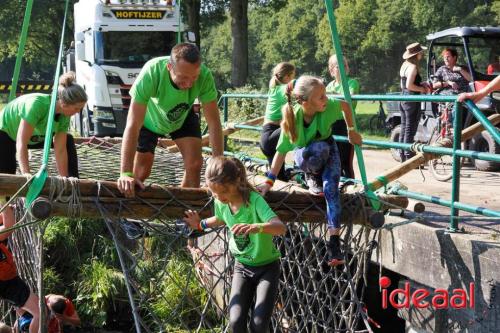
[180,281]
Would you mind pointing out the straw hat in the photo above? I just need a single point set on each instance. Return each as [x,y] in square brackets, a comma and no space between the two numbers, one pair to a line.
[413,49]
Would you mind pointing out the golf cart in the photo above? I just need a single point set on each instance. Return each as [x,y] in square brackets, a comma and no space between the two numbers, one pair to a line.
[478,48]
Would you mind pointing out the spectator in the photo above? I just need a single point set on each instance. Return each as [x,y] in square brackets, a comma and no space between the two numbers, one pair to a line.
[411,84]
[494,67]
[450,76]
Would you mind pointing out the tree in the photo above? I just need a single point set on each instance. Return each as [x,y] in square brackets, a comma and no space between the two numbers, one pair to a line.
[239,37]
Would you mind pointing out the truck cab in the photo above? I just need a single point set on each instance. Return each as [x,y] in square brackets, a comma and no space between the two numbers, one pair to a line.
[113,40]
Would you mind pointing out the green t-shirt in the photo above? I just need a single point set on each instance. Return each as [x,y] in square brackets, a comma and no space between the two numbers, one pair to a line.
[320,127]
[254,249]
[34,108]
[167,106]
[275,101]
[335,88]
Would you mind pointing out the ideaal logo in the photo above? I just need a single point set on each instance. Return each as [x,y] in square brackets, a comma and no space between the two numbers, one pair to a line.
[460,298]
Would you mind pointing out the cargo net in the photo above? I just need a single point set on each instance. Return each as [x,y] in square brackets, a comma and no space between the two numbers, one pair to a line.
[159,257]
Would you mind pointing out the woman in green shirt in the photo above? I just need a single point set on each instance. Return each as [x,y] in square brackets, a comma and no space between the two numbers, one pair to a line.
[307,130]
[346,150]
[23,123]
[252,225]
[283,74]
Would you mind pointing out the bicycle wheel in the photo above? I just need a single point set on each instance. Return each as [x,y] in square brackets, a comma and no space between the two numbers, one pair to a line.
[376,123]
[441,168]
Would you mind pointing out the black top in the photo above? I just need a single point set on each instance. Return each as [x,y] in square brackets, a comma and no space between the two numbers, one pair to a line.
[418,81]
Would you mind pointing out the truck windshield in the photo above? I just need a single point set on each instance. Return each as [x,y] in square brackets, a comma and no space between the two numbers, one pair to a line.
[132,48]
[485,53]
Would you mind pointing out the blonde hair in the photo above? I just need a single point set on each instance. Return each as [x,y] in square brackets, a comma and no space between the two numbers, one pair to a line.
[279,72]
[302,90]
[332,62]
[224,170]
[69,92]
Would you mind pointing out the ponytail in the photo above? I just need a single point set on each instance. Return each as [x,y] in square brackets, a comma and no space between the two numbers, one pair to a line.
[301,91]
[279,72]
[288,122]
[69,92]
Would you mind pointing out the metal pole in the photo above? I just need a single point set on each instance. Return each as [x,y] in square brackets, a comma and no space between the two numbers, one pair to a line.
[20,50]
[455,187]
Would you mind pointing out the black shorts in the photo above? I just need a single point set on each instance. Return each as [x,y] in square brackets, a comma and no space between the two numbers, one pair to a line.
[15,291]
[149,139]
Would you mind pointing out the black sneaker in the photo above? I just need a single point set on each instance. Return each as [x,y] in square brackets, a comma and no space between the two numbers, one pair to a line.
[133,230]
[314,184]
[335,255]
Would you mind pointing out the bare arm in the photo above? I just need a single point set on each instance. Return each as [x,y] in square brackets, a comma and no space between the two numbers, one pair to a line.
[278,161]
[211,112]
[135,120]
[193,219]
[354,137]
[273,227]
[479,95]
[23,137]
[74,319]
[410,80]
[61,153]
[9,220]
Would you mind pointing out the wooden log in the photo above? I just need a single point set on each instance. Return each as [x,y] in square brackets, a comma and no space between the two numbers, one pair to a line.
[416,206]
[471,131]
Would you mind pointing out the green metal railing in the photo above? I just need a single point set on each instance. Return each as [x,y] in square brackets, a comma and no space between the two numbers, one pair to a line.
[456,152]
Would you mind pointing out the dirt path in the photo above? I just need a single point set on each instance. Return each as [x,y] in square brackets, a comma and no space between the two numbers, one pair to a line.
[477,188]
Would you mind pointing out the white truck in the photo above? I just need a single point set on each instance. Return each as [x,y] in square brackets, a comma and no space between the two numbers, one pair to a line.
[113,40]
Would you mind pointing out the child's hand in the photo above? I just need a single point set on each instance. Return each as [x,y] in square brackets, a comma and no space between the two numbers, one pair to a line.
[192,219]
[355,138]
[244,229]
[263,188]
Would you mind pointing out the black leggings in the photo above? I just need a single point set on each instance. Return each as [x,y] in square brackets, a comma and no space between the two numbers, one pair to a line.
[268,142]
[346,150]
[249,283]
[8,154]
[410,116]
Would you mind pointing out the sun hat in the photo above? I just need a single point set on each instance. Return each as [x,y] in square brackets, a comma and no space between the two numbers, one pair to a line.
[413,49]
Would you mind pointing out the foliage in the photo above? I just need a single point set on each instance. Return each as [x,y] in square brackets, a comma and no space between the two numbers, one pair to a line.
[98,288]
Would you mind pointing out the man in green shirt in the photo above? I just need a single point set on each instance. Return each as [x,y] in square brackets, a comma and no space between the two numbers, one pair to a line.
[162,99]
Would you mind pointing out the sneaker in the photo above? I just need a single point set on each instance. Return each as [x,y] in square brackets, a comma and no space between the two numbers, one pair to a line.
[335,255]
[314,184]
[133,230]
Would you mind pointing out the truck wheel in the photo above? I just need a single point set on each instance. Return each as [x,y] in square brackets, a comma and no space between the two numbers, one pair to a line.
[395,134]
[484,142]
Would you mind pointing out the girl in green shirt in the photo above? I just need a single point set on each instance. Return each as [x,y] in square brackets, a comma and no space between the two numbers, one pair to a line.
[23,123]
[307,129]
[252,225]
[346,150]
[283,74]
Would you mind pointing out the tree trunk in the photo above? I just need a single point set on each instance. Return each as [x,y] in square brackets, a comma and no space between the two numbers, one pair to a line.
[193,16]
[239,32]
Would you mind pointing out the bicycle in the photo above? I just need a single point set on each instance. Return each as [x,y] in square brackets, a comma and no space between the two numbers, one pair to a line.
[377,121]
[441,168]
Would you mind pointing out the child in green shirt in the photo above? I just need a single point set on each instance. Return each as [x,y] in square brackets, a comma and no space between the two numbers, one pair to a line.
[252,225]
[307,129]
[346,150]
[279,86]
